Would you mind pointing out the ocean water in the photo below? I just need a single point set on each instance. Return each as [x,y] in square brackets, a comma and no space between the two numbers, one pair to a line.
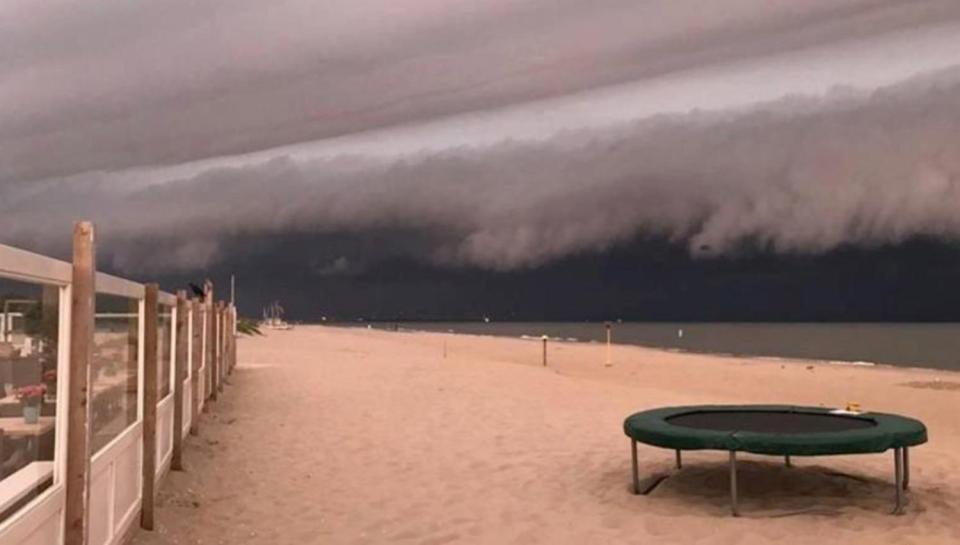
[913,345]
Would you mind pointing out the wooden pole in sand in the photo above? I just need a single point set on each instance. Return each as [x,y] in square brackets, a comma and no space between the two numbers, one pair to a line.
[149,475]
[82,307]
[609,338]
[196,331]
[545,350]
[179,375]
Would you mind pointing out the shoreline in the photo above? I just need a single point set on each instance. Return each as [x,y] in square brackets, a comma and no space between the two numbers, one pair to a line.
[669,350]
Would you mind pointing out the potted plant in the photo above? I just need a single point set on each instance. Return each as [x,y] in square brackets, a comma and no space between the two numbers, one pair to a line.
[31,397]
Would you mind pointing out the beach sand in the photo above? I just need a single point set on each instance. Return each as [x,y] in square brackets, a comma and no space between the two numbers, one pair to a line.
[353,436]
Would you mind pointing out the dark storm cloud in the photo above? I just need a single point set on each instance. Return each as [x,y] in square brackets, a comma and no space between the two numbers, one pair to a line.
[140,116]
[793,175]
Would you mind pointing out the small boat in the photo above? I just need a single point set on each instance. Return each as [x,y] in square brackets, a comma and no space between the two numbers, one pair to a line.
[273,317]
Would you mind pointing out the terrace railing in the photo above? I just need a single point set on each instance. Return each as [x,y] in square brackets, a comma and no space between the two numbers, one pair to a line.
[101,379]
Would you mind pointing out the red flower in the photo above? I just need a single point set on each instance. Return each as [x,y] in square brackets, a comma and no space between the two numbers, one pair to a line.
[31,392]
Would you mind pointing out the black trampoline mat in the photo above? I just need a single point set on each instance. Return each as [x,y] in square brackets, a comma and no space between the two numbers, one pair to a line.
[769,421]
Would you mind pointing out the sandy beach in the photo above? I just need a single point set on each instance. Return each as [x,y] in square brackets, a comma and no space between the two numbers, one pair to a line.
[356,436]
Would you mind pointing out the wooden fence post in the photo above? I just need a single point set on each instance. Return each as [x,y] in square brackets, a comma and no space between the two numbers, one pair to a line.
[216,346]
[180,374]
[232,331]
[82,308]
[149,475]
[221,342]
[209,338]
[212,352]
[196,356]
[227,335]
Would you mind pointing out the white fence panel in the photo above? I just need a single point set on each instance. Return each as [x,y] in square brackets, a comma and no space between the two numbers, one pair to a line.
[115,487]
[39,524]
[187,406]
[164,434]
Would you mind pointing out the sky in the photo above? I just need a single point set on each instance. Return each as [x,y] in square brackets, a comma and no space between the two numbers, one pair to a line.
[489,145]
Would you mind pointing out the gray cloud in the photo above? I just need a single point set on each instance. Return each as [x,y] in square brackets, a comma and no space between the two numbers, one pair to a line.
[119,85]
[166,123]
[793,175]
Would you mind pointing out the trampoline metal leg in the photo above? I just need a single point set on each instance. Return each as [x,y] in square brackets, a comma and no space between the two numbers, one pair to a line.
[636,476]
[679,460]
[898,473]
[733,484]
[786,460]
[906,468]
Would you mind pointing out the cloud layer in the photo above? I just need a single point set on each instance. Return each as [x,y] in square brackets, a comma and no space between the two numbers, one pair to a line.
[792,127]
[793,175]
[125,85]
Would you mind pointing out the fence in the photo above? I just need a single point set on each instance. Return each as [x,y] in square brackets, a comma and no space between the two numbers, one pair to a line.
[102,380]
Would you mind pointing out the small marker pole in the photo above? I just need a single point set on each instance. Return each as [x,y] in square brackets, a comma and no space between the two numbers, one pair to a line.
[545,350]
[444,349]
[609,336]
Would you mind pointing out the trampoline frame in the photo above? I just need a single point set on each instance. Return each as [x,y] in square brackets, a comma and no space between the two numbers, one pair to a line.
[901,453]
[901,461]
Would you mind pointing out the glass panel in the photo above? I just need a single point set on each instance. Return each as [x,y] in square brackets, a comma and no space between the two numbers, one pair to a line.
[114,370]
[164,345]
[29,331]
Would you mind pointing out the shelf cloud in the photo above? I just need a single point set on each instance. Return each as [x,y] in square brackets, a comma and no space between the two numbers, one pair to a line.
[504,135]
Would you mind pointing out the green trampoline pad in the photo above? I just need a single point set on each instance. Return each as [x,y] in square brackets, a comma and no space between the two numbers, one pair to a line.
[773,430]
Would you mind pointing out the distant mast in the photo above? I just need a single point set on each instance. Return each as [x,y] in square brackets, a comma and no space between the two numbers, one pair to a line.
[273,317]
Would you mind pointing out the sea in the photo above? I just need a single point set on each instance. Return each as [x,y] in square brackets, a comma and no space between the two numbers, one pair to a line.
[935,346]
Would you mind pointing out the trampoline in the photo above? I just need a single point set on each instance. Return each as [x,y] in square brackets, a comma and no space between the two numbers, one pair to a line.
[776,430]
